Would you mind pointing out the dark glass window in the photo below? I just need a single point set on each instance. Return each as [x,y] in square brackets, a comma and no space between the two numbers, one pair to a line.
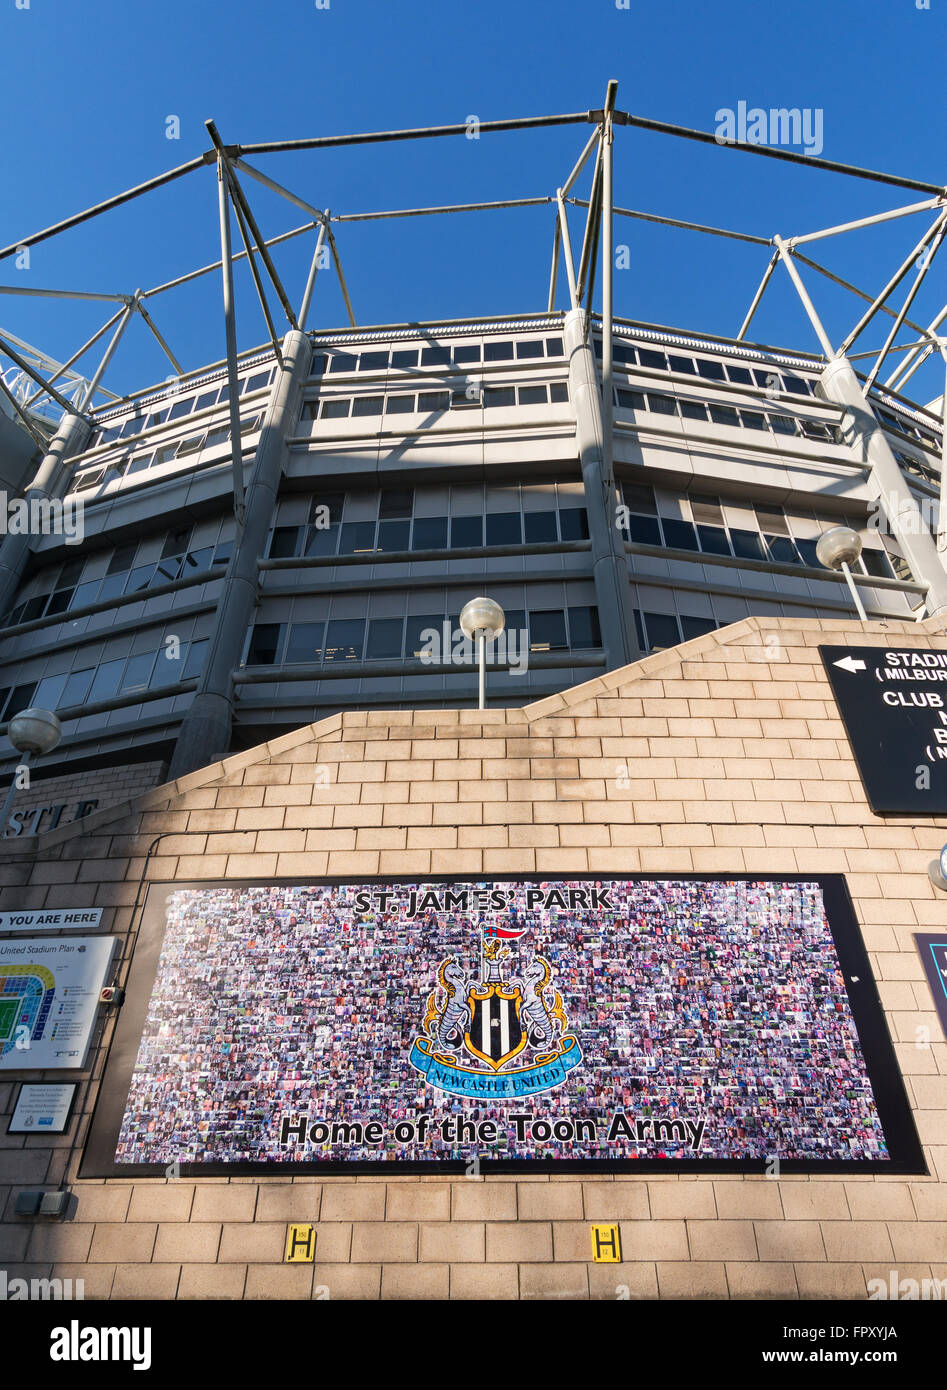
[531,347]
[467,352]
[140,578]
[624,353]
[223,552]
[283,542]
[22,698]
[400,405]
[305,643]
[190,446]
[540,527]
[326,508]
[430,533]
[70,573]
[696,627]
[814,429]
[466,531]
[435,356]
[368,405]
[741,375]
[504,528]
[334,410]
[499,395]
[180,408]
[122,558]
[647,357]
[76,688]
[710,371]
[175,543]
[357,536]
[318,364]
[205,400]
[373,361]
[395,502]
[661,405]
[107,677]
[724,415]
[344,639]
[782,424]
[384,638]
[498,352]
[574,524]
[643,530]
[768,377]
[630,400]
[547,631]
[221,435]
[533,395]
[85,593]
[782,550]
[33,608]
[138,672]
[639,498]
[679,535]
[140,463]
[394,535]
[558,392]
[713,539]
[264,644]
[876,563]
[753,419]
[418,623]
[797,385]
[554,347]
[196,561]
[747,545]
[343,362]
[584,628]
[682,364]
[59,602]
[434,400]
[135,425]
[807,551]
[662,630]
[194,661]
[639,628]
[405,357]
[254,383]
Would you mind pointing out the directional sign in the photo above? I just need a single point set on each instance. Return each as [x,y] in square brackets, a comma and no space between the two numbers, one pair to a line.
[933,951]
[893,703]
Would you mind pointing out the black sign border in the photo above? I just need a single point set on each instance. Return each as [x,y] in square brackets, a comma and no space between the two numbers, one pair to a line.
[894,1109]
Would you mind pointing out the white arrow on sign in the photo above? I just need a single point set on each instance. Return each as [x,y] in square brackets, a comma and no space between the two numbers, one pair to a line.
[849,663]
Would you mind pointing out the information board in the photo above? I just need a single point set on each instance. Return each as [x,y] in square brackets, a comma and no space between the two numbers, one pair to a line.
[616,1023]
[49,993]
[43,1109]
[893,704]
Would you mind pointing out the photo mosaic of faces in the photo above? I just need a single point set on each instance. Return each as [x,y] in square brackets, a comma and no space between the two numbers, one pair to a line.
[712,1000]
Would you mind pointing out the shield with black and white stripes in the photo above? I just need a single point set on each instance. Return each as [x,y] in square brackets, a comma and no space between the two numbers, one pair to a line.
[494,1033]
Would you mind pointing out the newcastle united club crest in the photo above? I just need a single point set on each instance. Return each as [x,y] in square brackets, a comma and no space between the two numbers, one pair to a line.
[478,1033]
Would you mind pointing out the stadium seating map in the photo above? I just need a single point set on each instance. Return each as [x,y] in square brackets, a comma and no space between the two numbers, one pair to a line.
[49,992]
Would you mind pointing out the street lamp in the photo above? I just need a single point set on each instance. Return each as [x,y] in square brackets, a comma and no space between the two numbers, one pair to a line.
[838,548]
[32,731]
[482,619]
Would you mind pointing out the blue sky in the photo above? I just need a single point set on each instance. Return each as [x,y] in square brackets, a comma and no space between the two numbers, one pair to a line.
[89,88]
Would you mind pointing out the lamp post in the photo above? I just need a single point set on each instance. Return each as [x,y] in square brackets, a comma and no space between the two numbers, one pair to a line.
[838,548]
[32,731]
[482,619]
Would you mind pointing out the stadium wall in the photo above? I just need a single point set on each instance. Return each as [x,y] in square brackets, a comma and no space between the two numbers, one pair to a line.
[738,762]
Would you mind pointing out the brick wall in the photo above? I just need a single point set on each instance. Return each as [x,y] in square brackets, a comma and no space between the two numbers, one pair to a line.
[107,786]
[737,762]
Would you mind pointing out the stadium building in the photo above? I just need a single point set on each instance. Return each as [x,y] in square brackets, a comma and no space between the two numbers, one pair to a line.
[254,653]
